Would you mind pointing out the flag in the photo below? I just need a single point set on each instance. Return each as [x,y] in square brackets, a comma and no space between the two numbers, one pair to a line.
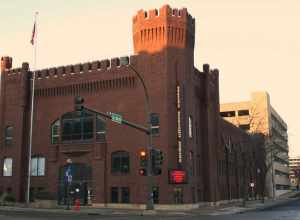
[33,35]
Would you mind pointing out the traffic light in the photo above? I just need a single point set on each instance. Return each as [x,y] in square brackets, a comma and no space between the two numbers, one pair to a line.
[143,158]
[157,158]
[143,172]
[143,162]
[78,101]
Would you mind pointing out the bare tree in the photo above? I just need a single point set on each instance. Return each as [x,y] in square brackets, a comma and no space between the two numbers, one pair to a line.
[267,147]
[267,150]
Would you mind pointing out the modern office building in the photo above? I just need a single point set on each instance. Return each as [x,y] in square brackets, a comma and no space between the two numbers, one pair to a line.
[258,116]
[294,164]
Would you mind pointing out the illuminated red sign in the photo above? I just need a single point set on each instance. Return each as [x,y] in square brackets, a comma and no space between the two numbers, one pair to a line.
[177,176]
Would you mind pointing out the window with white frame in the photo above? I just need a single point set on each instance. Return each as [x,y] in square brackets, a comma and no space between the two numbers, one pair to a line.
[7,166]
[190,127]
[38,166]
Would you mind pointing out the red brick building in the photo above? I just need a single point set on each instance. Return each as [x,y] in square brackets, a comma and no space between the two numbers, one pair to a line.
[105,155]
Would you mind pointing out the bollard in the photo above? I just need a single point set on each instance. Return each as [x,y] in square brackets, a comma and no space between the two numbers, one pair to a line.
[77,205]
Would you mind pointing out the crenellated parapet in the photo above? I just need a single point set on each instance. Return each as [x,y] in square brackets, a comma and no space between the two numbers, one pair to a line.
[75,69]
[155,29]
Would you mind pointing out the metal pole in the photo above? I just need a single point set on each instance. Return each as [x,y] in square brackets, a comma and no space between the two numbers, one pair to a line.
[31,112]
[149,204]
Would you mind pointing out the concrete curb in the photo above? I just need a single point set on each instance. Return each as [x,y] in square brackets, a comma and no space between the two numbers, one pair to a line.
[111,212]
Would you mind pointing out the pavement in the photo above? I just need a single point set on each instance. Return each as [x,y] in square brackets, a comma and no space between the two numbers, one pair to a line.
[227,209]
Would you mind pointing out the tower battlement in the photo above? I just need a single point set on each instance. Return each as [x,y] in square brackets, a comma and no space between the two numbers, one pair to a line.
[6,63]
[62,71]
[156,29]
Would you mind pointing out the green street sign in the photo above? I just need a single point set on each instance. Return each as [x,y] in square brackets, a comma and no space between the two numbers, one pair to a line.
[116,118]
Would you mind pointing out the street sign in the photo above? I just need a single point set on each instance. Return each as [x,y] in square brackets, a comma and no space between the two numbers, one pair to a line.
[116,118]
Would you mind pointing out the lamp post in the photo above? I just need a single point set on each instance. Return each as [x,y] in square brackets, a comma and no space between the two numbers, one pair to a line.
[125,62]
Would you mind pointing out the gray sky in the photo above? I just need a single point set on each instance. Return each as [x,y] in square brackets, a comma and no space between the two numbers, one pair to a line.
[254,43]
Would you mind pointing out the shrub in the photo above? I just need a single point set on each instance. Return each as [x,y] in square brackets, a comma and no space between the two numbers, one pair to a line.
[44,195]
[10,198]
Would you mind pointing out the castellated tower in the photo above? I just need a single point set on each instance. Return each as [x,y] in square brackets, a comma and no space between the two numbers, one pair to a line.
[157,29]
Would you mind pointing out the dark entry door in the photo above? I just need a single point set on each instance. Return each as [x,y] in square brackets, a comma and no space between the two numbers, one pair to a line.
[78,187]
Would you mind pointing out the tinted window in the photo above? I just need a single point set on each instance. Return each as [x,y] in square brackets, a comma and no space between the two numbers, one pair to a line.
[120,162]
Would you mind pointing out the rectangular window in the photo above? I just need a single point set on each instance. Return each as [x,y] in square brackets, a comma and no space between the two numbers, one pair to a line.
[100,129]
[7,167]
[120,162]
[8,135]
[192,162]
[34,167]
[190,127]
[114,195]
[38,166]
[116,163]
[243,112]
[154,123]
[245,127]
[227,114]
[125,195]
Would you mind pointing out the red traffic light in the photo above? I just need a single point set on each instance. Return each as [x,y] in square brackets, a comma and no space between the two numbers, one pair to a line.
[143,172]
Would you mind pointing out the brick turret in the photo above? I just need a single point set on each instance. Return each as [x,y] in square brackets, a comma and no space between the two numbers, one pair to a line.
[166,27]
[6,63]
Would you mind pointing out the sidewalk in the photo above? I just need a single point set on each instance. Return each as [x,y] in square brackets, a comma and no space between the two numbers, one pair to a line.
[254,205]
[227,209]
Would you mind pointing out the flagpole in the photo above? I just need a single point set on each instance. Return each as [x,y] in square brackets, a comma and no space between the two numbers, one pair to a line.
[34,41]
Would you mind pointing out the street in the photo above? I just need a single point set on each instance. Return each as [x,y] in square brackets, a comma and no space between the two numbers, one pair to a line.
[287,211]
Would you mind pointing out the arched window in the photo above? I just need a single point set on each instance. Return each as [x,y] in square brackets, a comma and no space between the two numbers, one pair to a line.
[55,132]
[77,126]
[100,129]
[120,162]
[8,135]
[7,166]
[38,166]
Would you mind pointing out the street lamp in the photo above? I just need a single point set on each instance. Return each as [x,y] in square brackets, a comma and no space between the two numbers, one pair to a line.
[124,61]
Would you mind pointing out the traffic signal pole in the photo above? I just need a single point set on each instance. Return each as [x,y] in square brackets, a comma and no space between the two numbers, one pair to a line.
[150,203]
[125,62]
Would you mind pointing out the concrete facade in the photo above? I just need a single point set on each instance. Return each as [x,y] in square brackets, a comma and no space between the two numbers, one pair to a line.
[192,136]
[294,165]
[258,116]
